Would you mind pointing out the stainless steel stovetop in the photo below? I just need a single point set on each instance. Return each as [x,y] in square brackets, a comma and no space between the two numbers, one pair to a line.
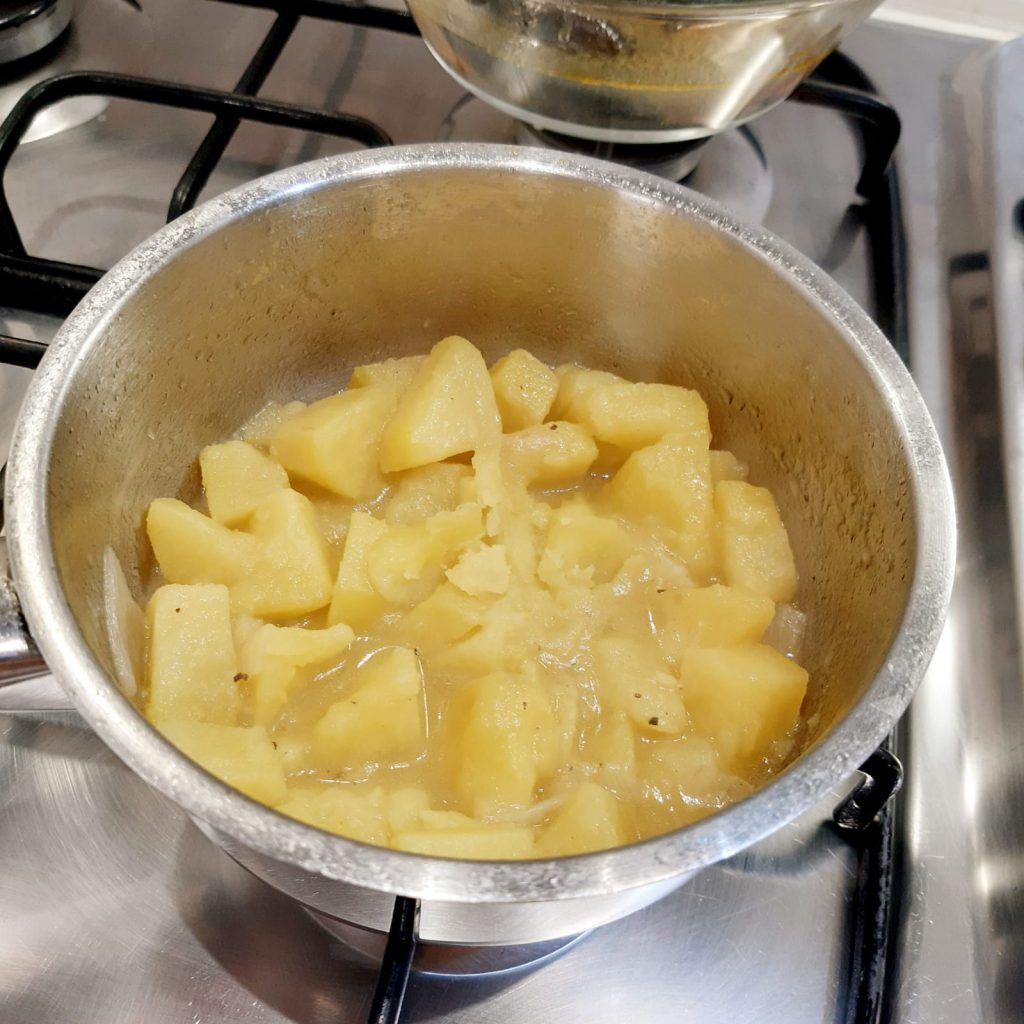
[113,907]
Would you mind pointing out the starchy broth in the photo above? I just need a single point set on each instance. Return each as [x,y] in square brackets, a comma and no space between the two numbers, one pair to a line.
[490,613]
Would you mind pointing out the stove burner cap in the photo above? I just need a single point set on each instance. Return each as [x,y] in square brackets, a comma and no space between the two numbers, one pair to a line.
[28,27]
[672,160]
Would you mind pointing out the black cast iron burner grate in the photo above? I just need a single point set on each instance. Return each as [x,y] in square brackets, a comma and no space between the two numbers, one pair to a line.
[53,287]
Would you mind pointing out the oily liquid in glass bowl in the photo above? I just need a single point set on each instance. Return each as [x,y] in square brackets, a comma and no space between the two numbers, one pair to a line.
[633,72]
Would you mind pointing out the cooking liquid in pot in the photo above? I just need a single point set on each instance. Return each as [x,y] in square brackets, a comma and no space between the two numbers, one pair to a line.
[489,614]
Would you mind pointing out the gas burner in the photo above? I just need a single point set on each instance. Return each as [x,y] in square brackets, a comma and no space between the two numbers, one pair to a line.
[28,27]
[126,31]
[730,168]
[449,961]
[672,160]
[734,171]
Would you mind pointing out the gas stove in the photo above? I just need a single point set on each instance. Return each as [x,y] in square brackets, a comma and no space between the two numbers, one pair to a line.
[117,909]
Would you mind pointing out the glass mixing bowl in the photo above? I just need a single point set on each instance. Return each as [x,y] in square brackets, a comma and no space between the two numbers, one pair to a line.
[634,70]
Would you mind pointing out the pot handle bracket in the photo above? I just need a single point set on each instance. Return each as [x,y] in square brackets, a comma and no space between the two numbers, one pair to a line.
[19,657]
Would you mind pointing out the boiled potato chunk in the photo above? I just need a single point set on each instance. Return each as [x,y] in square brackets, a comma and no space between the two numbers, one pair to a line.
[590,819]
[353,599]
[236,478]
[381,719]
[192,548]
[500,642]
[670,482]
[192,661]
[503,732]
[343,809]
[575,386]
[725,466]
[422,492]
[582,542]
[407,562]
[448,409]
[743,698]
[715,616]
[631,416]
[755,551]
[394,373]
[549,454]
[524,389]
[476,841]
[637,682]
[484,570]
[333,442]
[259,430]
[291,576]
[405,807]
[273,655]
[444,617]
[241,756]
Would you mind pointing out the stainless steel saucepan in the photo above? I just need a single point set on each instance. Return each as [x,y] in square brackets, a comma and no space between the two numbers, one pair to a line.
[274,290]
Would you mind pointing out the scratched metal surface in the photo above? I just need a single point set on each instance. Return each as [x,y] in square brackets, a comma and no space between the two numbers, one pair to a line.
[114,907]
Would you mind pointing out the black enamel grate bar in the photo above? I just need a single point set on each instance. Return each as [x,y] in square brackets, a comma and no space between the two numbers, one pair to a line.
[217,139]
[21,352]
[360,15]
[839,84]
[396,966]
[53,287]
[866,818]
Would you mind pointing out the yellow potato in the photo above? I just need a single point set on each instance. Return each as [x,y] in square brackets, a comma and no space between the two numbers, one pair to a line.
[333,442]
[382,718]
[476,842]
[635,681]
[353,600]
[236,478]
[241,756]
[755,551]
[549,454]
[260,428]
[670,483]
[193,668]
[397,373]
[448,409]
[524,389]
[725,466]
[715,616]
[590,819]
[743,698]
[422,492]
[192,548]
[347,810]
[407,562]
[502,730]
[630,416]
[291,575]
